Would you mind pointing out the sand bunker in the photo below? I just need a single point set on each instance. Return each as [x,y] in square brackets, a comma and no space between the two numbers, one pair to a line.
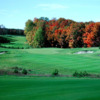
[83,52]
[2,52]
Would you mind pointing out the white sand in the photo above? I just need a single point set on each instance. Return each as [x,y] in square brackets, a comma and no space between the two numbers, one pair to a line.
[83,52]
[2,52]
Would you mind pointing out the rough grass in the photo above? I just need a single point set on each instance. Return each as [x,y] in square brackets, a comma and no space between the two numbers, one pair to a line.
[35,88]
[16,41]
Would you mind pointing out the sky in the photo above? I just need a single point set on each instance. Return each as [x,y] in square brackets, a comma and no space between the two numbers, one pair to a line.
[15,13]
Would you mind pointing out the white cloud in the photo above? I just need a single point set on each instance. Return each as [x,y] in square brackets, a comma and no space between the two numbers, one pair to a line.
[51,6]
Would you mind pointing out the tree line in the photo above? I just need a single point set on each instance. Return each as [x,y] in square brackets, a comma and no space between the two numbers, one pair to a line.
[63,33]
[6,31]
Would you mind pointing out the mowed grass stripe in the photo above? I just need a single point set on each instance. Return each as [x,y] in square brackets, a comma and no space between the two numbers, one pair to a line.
[49,88]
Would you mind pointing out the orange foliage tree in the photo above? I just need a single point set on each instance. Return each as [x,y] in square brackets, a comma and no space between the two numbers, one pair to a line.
[91,37]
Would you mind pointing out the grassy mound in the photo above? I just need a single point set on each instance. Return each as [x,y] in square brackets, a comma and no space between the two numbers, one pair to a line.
[15,41]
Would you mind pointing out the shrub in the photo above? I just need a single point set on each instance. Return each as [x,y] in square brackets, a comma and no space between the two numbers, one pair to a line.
[56,72]
[85,73]
[81,74]
[17,48]
[76,74]
[16,71]
[24,71]
[29,70]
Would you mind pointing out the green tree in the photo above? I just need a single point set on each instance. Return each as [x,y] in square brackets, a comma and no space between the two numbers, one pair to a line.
[29,31]
[24,71]
[29,26]
[39,38]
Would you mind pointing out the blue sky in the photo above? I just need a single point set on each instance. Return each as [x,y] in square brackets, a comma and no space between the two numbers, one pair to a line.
[14,13]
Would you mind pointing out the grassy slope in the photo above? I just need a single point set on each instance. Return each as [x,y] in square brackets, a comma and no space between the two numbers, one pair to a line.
[16,41]
[46,60]
[24,88]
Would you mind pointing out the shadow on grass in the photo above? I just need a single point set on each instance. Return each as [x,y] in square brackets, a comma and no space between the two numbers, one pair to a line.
[4,39]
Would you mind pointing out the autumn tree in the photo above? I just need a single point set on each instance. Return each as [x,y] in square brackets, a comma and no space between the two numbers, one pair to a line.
[74,34]
[29,26]
[97,34]
[91,37]
[88,36]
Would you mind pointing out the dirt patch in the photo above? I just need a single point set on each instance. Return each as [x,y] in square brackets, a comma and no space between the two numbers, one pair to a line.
[84,52]
[7,72]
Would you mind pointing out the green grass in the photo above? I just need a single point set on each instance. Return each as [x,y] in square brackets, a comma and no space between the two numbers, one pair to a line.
[16,41]
[45,88]
[46,60]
